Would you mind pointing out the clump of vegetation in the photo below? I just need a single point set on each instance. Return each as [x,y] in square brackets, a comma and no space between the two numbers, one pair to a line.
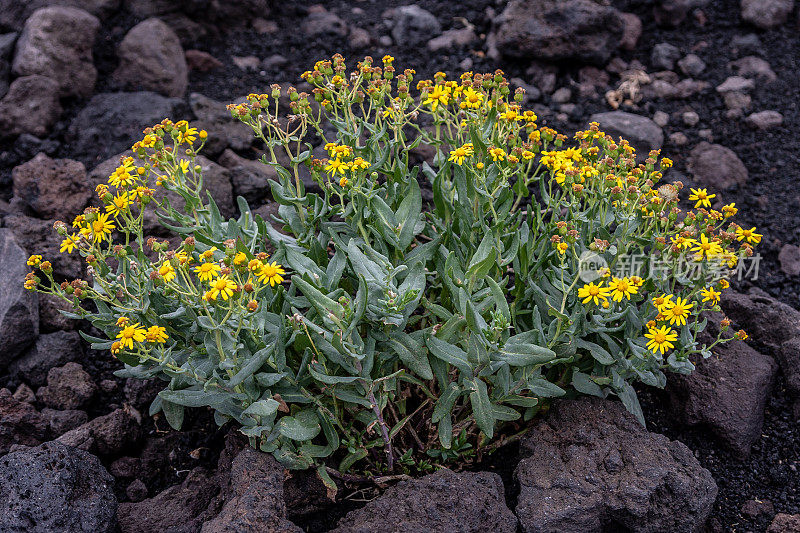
[378,331]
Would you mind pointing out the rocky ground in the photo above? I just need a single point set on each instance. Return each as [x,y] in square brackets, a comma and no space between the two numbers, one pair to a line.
[711,83]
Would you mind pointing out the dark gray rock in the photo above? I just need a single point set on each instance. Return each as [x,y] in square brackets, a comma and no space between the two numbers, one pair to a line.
[52,188]
[110,434]
[68,387]
[223,130]
[555,30]
[441,502]
[141,392]
[14,13]
[664,55]
[50,317]
[92,141]
[20,423]
[151,8]
[62,421]
[323,23]
[56,488]
[57,43]
[641,132]
[414,26]
[201,61]
[19,308]
[151,58]
[178,509]
[736,84]
[50,350]
[632,31]
[38,236]
[31,105]
[754,67]
[788,356]
[763,317]
[766,14]
[452,39]
[591,467]
[253,497]
[785,523]
[726,394]
[671,12]
[716,166]
[691,65]
[136,491]
[250,178]
[24,394]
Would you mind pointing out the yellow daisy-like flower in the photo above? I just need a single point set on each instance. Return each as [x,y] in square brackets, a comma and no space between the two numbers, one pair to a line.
[562,247]
[336,165]
[439,94]
[240,259]
[711,295]
[471,99]
[458,155]
[663,302]
[342,182]
[156,334]
[101,228]
[497,154]
[34,260]
[748,235]
[131,334]
[678,312]
[705,248]
[184,166]
[68,244]
[527,155]
[661,339]
[701,197]
[221,287]
[188,136]
[682,242]
[622,288]
[166,271]
[591,292]
[119,203]
[271,273]
[206,271]
[208,254]
[123,175]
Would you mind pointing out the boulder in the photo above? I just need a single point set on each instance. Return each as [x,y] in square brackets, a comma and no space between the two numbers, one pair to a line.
[664,55]
[53,188]
[414,26]
[31,106]
[50,350]
[38,236]
[223,130]
[441,502]
[56,488]
[788,356]
[179,509]
[141,392]
[19,308]
[591,467]
[766,14]
[68,387]
[754,66]
[60,422]
[50,318]
[726,394]
[91,138]
[716,166]
[201,61]
[785,523]
[671,12]
[57,42]
[20,423]
[14,13]
[764,120]
[555,30]
[631,32]
[151,58]
[323,23]
[250,179]
[641,132]
[110,434]
[253,497]
[763,317]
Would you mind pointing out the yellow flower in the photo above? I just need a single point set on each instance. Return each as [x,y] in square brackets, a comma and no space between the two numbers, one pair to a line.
[710,295]
[706,248]
[723,284]
[592,292]
[123,321]
[510,115]
[34,260]
[166,271]
[343,182]
[336,165]
[208,254]
[438,95]
[79,221]
[271,273]
[471,99]
[562,247]
[678,312]
[663,302]
[749,235]
[729,210]
[622,288]
[188,136]
[131,334]
[223,287]
[101,227]
[682,242]
[240,259]
[527,155]
[661,339]
[118,204]
[359,163]
[184,165]
[122,176]
[206,271]
[701,197]
[156,334]
[457,156]
[29,284]
[497,154]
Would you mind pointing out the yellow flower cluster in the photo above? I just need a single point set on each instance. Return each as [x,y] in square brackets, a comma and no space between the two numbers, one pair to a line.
[340,164]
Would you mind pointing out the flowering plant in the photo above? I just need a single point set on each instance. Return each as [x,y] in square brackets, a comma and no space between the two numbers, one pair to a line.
[384,330]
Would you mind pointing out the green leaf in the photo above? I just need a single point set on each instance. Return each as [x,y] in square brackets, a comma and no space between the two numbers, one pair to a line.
[250,368]
[544,388]
[262,408]
[598,352]
[351,458]
[444,405]
[408,214]
[450,354]
[173,413]
[412,353]
[300,427]
[481,406]
[525,354]
[583,383]
[322,303]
